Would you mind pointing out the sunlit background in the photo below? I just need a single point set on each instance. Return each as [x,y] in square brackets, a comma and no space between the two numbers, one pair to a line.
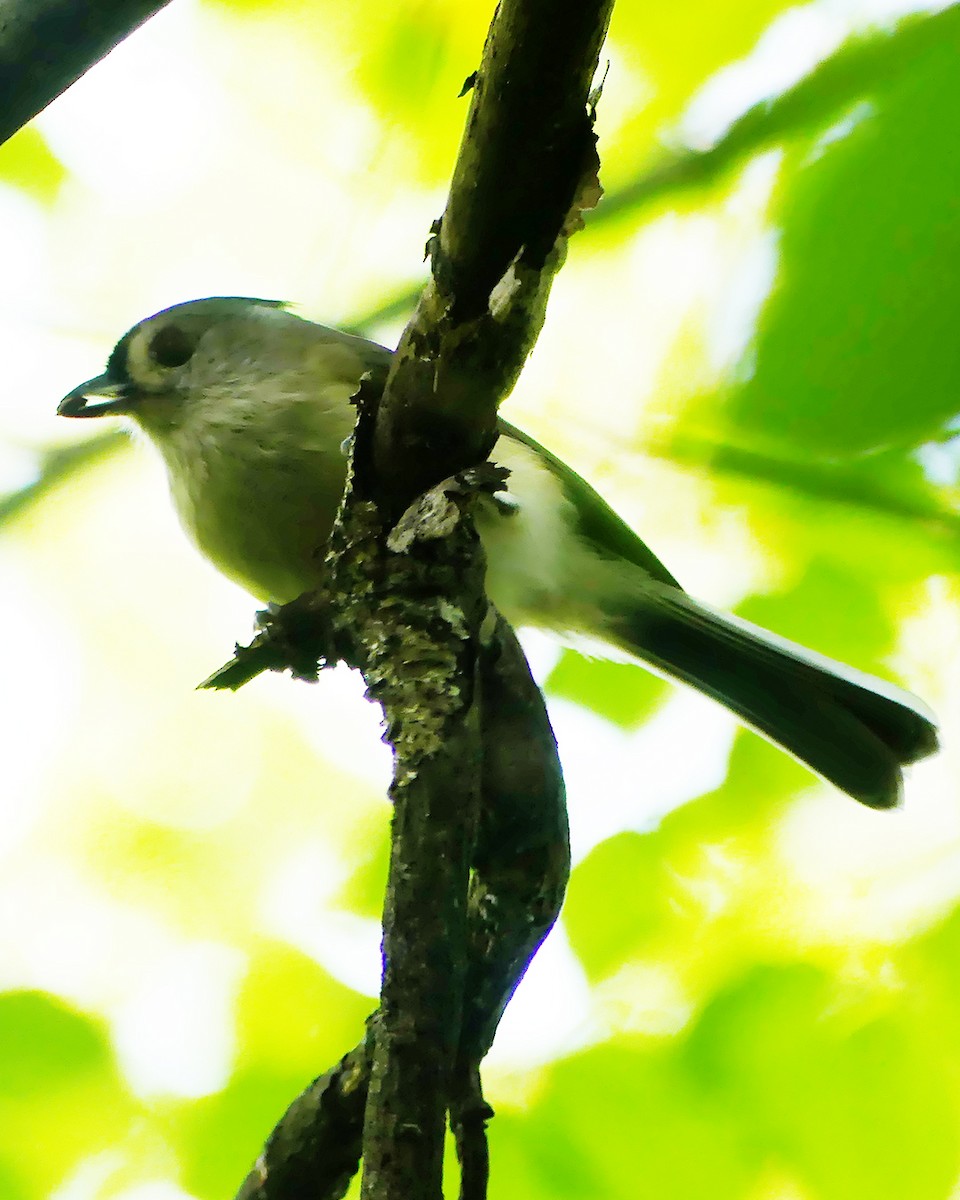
[754,992]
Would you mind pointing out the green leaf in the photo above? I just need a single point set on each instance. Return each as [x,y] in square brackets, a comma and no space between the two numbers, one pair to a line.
[47,1045]
[827,1087]
[856,350]
[27,163]
[617,902]
[621,692]
[60,1096]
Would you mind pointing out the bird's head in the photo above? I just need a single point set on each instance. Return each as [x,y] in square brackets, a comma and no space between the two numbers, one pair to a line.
[158,364]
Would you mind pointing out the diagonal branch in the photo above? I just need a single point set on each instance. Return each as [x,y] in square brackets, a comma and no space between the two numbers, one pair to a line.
[526,170]
[45,45]
[860,68]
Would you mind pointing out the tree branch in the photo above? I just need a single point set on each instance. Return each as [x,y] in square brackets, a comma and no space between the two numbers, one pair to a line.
[472,891]
[315,1148]
[529,151]
[45,45]
[527,168]
[521,864]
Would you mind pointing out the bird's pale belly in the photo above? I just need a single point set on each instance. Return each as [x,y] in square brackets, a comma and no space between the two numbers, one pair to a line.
[263,518]
[266,527]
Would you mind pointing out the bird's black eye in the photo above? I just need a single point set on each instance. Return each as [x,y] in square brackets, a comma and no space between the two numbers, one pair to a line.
[171,346]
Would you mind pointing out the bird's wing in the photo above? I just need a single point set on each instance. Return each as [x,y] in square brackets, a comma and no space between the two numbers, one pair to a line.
[596,520]
[597,523]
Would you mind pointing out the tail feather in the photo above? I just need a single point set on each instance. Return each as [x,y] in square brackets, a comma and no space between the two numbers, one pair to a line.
[852,729]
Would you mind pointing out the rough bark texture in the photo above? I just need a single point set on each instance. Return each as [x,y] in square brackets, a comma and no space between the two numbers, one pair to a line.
[527,167]
[479,855]
[529,152]
[315,1148]
[521,863]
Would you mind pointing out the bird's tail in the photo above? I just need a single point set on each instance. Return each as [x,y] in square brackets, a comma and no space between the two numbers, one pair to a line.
[852,729]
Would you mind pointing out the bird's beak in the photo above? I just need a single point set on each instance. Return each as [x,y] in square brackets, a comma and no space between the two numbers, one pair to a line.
[113,397]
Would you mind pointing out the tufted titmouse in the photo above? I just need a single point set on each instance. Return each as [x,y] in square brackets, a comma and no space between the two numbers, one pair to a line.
[249,406]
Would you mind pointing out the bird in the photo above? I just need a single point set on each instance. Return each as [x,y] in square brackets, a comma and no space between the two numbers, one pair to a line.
[249,405]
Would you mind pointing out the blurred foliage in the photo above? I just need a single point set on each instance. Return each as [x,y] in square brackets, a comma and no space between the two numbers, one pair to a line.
[870,242]
[772,991]
[61,1095]
[618,691]
[29,165]
[55,466]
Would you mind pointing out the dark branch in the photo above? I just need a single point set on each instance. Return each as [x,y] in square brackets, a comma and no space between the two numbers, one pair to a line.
[315,1149]
[522,858]
[469,1114]
[527,168]
[521,866]
[529,151]
[527,145]
[45,45]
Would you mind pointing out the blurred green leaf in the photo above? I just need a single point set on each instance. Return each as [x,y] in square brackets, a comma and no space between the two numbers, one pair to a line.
[867,66]
[620,692]
[12,1187]
[619,898]
[408,62]
[46,1045]
[293,1015]
[27,163]
[887,484]
[825,1088]
[55,467]
[856,349]
[363,891]
[550,1164]
[640,1129]
[60,1096]
[673,65]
